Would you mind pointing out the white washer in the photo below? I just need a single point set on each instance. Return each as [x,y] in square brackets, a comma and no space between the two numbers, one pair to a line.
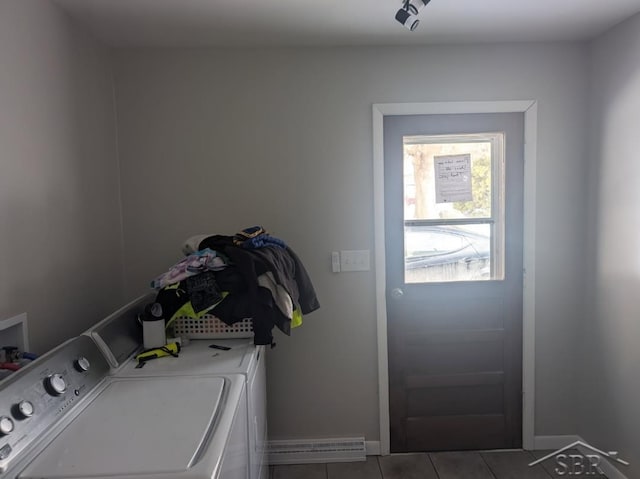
[198,359]
[65,416]
[119,340]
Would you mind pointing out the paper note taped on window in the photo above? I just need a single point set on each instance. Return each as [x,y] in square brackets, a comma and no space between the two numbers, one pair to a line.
[453,178]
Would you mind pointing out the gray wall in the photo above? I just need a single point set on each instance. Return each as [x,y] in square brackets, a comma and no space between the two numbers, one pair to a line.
[610,385]
[60,229]
[216,140]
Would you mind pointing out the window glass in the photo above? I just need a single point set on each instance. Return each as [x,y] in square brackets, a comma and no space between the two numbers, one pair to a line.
[420,181]
[447,253]
[453,208]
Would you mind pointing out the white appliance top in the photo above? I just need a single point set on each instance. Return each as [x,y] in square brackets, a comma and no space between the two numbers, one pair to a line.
[142,426]
[197,358]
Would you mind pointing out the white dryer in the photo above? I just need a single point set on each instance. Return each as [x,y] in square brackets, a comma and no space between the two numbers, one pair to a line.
[119,338]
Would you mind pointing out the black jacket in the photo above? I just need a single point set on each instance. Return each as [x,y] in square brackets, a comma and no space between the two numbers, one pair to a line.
[254,301]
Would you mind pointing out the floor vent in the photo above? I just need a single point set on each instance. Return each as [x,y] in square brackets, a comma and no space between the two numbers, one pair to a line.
[350,449]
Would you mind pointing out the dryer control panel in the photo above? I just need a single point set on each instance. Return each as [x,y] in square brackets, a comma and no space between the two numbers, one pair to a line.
[35,398]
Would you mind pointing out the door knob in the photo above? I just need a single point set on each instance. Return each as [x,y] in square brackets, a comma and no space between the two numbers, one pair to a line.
[397,293]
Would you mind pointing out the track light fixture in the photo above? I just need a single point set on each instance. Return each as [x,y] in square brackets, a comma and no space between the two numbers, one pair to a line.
[408,14]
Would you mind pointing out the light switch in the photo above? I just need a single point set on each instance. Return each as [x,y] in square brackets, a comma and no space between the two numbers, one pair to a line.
[335,262]
[355,260]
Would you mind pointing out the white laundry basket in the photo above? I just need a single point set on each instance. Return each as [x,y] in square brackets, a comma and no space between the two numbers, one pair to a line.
[210,327]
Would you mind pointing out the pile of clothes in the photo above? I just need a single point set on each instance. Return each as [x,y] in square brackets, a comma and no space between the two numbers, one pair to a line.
[250,275]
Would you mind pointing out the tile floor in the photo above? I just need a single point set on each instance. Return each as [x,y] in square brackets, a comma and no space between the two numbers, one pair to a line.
[437,465]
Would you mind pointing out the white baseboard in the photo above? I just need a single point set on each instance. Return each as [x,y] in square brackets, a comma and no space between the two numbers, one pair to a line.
[553,442]
[558,442]
[373,448]
[609,470]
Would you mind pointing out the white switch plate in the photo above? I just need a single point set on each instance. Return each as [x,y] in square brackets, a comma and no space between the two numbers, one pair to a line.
[355,260]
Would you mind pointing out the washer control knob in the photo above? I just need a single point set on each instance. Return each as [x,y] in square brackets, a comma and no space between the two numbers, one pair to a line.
[82,364]
[24,410]
[55,384]
[6,425]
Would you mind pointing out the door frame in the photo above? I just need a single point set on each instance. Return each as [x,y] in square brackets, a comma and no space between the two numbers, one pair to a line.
[530,110]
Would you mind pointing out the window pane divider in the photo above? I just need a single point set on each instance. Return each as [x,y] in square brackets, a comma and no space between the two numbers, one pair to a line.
[450,221]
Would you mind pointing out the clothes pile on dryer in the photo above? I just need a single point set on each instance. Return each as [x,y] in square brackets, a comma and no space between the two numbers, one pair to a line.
[248,275]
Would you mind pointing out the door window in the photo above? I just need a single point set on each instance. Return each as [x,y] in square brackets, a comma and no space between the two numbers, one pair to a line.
[453,189]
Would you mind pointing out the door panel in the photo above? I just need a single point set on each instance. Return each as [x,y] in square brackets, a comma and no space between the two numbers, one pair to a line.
[455,346]
[482,431]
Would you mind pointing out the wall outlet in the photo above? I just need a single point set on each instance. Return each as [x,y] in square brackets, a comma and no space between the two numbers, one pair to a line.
[355,260]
